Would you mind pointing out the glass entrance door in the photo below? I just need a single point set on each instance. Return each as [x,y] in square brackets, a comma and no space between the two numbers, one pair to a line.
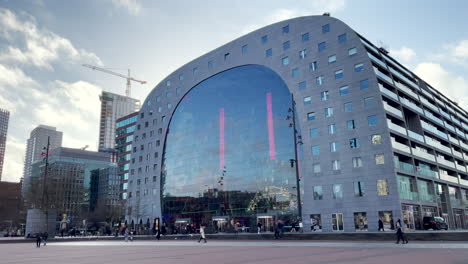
[267,222]
[220,224]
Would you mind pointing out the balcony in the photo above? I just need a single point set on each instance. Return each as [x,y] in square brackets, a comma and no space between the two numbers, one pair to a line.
[426,93]
[388,92]
[396,127]
[411,105]
[445,162]
[407,195]
[429,104]
[460,167]
[403,166]
[447,125]
[416,136]
[422,154]
[434,118]
[383,75]
[465,146]
[457,153]
[369,46]
[392,110]
[401,147]
[463,182]
[402,77]
[449,178]
[444,114]
[377,60]
[406,90]
[434,130]
[427,197]
[459,132]
[455,120]
[426,172]
[465,126]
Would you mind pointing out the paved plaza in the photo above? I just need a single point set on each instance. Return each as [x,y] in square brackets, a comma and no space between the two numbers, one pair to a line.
[234,252]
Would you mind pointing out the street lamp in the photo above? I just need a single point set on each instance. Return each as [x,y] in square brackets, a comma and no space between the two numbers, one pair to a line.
[297,141]
[44,181]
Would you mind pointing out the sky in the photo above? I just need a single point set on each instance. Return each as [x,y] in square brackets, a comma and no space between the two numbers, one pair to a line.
[43,44]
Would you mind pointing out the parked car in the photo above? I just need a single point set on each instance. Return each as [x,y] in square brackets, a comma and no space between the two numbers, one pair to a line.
[435,223]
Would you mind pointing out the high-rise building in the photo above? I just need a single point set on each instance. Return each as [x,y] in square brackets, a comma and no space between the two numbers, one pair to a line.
[35,148]
[378,142]
[105,203]
[113,107]
[4,117]
[10,205]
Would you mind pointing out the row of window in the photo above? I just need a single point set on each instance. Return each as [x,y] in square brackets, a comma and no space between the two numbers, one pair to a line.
[319,80]
[356,161]
[360,221]
[369,102]
[334,146]
[358,187]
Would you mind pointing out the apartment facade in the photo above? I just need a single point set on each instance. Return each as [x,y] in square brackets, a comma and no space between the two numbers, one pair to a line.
[4,118]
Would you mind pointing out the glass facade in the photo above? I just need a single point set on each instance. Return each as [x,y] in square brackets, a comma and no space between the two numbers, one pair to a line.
[215,177]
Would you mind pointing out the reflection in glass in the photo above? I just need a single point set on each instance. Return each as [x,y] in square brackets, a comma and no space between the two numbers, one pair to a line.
[226,161]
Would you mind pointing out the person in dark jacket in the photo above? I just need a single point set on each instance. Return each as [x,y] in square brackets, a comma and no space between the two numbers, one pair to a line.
[381,228]
[45,235]
[38,240]
[400,234]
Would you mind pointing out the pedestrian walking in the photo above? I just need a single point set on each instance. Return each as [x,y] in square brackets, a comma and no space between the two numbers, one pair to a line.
[131,234]
[44,238]
[381,227]
[158,234]
[38,240]
[259,227]
[400,234]
[126,233]
[202,234]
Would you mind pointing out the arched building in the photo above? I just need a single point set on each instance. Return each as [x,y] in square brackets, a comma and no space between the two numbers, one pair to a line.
[214,141]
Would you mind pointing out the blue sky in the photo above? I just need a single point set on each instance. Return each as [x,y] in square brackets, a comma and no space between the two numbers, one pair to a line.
[43,44]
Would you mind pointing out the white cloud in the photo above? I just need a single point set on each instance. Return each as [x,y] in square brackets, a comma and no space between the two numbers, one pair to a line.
[40,47]
[453,86]
[13,77]
[456,53]
[133,7]
[14,159]
[405,55]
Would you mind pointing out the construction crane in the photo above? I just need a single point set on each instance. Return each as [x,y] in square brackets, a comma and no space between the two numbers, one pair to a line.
[128,89]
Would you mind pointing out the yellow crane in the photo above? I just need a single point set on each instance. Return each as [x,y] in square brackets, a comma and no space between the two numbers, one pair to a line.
[128,89]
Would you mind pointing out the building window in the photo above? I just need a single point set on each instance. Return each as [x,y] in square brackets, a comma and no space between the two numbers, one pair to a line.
[348,107]
[333,146]
[168,94]
[359,67]
[307,100]
[369,102]
[245,49]
[376,139]
[316,222]
[264,39]
[210,64]
[372,120]
[331,59]
[337,191]
[338,74]
[318,193]
[352,51]
[329,112]
[344,90]
[305,36]
[324,96]
[315,150]
[169,106]
[331,129]
[326,28]
[382,187]
[322,46]
[379,159]
[181,77]
[336,165]
[314,132]
[286,45]
[342,38]
[316,168]
[195,71]
[269,52]
[313,66]
[302,54]
[357,162]
[319,80]
[178,89]
[285,61]
[295,72]
[302,85]
[354,143]
[360,221]
[168,83]
[158,98]
[351,124]
[364,84]
[359,189]
[311,116]
[286,29]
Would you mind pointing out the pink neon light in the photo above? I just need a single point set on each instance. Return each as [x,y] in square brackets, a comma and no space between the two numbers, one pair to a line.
[271,131]
[221,138]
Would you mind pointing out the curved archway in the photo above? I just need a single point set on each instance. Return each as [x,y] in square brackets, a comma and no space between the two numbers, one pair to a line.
[226,158]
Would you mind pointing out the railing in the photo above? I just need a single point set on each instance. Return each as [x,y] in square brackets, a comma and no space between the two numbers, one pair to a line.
[445,162]
[457,153]
[434,118]
[437,144]
[449,178]
[411,105]
[383,75]
[396,127]
[428,104]
[392,109]
[377,60]
[455,120]
[453,140]
[400,146]
[439,101]
[415,135]
[447,125]
[388,92]
[463,182]
[426,93]
[409,195]
[409,168]
[465,146]
[460,167]
[442,112]
[465,126]
[427,197]
[459,132]
[388,60]
[402,77]
[427,172]
[369,46]
[434,130]
[406,90]
[423,154]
